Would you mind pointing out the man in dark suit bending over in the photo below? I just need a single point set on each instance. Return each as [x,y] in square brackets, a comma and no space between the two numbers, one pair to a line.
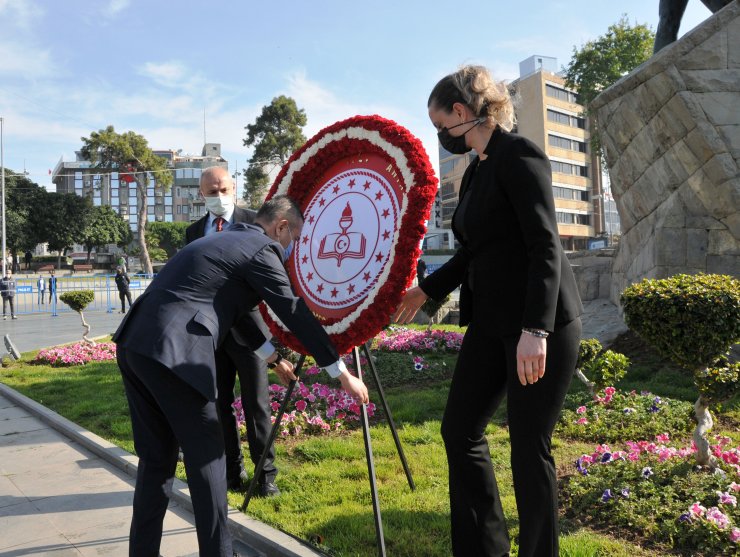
[166,353]
[217,189]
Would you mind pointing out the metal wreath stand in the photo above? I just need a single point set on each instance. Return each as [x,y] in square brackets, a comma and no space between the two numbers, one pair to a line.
[366,436]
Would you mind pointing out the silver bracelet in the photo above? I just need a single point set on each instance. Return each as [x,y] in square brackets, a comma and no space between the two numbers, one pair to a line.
[539,333]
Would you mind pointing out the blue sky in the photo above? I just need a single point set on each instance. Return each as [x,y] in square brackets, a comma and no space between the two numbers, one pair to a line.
[71,67]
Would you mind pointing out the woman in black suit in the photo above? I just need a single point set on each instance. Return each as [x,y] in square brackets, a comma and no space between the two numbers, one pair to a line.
[520,302]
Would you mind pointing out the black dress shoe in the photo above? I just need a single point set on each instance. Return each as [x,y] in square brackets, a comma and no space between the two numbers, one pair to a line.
[267,489]
[240,483]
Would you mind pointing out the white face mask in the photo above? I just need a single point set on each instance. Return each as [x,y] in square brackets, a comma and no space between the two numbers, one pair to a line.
[220,204]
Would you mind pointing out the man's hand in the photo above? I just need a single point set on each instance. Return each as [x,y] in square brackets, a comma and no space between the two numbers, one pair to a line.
[354,387]
[284,371]
[531,353]
[412,300]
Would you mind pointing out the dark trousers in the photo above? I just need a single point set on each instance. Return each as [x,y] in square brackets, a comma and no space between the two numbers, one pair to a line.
[166,413]
[485,373]
[124,295]
[231,359]
[9,300]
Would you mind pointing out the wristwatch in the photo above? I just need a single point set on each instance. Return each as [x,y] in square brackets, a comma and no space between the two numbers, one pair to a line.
[274,364]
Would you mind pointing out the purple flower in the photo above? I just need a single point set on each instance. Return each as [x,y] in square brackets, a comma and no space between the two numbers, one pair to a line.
[685,517]
[606,457]
[647,472]
[625,492]
[581,467]
[606,496]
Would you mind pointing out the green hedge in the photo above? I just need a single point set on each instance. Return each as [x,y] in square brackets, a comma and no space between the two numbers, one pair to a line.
[78,300]
[692,319]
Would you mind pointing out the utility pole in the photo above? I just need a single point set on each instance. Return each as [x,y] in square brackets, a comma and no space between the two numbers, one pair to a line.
[2,169]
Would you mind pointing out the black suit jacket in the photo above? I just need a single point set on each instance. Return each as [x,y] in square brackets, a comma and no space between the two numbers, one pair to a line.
[512,269]
[198,228]
[190,306]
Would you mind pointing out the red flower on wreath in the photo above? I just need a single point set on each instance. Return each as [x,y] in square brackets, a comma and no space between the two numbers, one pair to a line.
[366,187]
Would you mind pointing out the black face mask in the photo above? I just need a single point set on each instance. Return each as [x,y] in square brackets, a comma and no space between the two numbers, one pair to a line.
[456,145]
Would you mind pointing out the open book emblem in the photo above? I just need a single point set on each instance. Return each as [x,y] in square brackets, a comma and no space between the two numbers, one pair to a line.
[343,245]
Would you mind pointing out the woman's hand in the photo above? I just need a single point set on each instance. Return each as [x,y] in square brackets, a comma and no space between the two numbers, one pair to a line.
[531,353]
[412,300]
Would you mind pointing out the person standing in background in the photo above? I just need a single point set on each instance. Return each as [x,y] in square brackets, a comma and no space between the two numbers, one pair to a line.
[41,286]
[52,287]
[122,283]
[232,358]
[7,291]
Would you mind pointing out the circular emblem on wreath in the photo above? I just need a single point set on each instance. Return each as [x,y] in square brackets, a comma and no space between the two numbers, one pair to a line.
[365,187]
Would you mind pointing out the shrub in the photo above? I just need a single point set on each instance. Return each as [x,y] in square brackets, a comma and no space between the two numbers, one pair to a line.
[692,319]
[608,368]
[603,368]
[78,300]
[587,352]
[719,382]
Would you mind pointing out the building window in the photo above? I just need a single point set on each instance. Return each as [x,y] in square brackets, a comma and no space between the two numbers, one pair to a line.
[566,119]
[561,192]
[565,143]
[447,167]
[562,94]
[447,191]
[185,209]
[572,169]
[179,209]
[177,192]
[572,218]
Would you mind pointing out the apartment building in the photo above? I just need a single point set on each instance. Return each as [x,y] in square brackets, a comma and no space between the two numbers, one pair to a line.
[548,113]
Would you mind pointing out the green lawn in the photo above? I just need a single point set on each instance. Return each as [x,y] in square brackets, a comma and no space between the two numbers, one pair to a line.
[325,493]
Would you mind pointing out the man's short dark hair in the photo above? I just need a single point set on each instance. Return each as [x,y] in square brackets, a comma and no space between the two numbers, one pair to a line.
[279,207]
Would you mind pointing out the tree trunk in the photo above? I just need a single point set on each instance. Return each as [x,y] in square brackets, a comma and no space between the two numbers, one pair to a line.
[591,386]
[146,262]
[88,254]
[59,259]
[87,331]
[703,424]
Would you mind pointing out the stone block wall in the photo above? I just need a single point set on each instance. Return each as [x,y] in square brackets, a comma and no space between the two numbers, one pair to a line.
[593,273]
[671,132]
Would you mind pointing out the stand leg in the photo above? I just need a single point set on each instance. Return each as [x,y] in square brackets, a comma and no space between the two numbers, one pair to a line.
[273,434]
[370,463]
[388,414]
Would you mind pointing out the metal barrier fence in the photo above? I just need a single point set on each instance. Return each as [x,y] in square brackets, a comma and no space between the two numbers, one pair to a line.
[29,300]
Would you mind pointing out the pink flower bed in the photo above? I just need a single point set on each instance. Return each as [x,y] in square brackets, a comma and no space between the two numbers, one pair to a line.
[400,339]
[315,409]
[76,354]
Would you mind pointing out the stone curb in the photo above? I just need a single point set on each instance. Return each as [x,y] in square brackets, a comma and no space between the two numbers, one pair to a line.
[265,539]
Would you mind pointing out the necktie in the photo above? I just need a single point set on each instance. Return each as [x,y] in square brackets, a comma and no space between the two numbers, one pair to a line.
[219,223]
